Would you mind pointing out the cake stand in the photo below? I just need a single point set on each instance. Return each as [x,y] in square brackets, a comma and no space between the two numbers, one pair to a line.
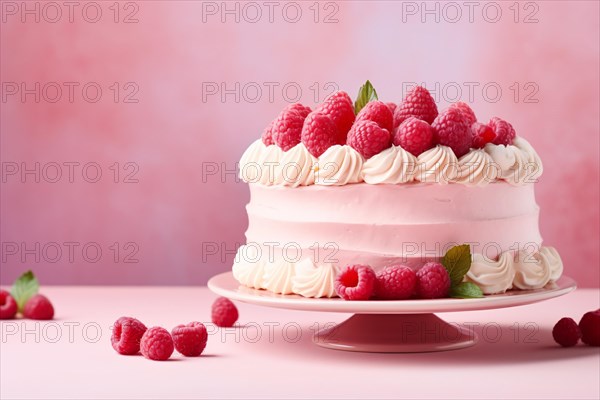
[399,326]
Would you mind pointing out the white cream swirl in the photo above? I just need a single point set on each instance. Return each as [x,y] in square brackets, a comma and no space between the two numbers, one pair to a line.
[296,167]
[248,268]
[532,270]
[518,163]
[437,165]
[270,162]
[492,276]
[314,281]
[278,277]
[476,168]
[339,165]
[250,169]
[393,165]
[533,168]
[553,260]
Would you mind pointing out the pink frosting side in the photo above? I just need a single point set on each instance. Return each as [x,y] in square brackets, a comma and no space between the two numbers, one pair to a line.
[380,225]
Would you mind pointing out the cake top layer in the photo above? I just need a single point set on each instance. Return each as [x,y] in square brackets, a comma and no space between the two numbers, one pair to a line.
[370,141]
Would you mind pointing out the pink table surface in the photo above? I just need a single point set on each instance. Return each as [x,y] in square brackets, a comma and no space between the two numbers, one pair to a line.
[268,356]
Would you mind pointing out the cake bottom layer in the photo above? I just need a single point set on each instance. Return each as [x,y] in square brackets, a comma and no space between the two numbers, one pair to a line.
[304,276]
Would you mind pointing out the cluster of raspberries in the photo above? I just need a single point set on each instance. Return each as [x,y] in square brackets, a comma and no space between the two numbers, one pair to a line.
[36,307]
[414,124]
[130,336]
[398,282]
[567,332]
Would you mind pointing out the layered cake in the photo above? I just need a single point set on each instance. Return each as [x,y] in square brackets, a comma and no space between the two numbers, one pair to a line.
[378,184]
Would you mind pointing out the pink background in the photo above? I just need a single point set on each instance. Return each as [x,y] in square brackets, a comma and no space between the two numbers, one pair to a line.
[171,216]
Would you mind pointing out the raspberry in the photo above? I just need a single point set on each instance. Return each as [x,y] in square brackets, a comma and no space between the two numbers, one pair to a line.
[190,340]
[126,335]
[320,133]
[417,103]
[451,129]
[299,108]
[566,332]
[377,112]
[392,107]
[505,133]
[356,282]
[338,106]
[8,305]
[368,138]
[287,127]
[267,136]
[482,135]
[395,283]
[414,136]
[224,313]
[433,281]
[157,344]
[590,328]
[466,110]
[38,307]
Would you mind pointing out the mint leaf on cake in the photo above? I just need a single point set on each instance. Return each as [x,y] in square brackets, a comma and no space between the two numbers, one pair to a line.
[457,262]
[366,93]
[466,290]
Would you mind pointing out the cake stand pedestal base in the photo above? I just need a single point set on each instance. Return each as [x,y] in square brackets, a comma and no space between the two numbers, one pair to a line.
[390,326]
[395,333]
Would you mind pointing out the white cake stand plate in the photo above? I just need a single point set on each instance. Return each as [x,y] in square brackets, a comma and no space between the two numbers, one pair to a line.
[398,326]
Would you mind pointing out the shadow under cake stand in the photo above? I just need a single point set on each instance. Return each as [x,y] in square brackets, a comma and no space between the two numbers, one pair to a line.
[392,326]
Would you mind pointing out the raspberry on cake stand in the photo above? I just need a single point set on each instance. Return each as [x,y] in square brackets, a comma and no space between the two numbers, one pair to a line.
[390,326]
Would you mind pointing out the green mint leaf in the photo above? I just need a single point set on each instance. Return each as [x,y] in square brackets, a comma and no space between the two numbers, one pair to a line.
[366,93]
[457,262]
[24,288]
[466,290]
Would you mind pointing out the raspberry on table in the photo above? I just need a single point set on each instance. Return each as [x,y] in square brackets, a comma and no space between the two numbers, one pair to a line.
[320,133]
[566,332]
[8,305]
[482,135]
[126,335]
[590,328]
[397,282]
[190,340]
[451,129]
[38,307]
[338,106]
[368,138]
[417,103]
[355,282]
[433,281]
[287,127]
[414,135]
[377,112]
[505,133]
[224,313]
[467,111]
[157,344]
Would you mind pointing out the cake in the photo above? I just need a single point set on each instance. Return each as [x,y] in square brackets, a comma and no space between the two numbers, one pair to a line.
[390,185]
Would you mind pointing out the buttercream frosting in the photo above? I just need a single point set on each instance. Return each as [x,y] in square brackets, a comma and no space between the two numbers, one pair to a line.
[339,165]
[437,165]
[392,166]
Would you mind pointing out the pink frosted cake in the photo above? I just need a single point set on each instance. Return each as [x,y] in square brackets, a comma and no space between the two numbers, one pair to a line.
[378,184]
